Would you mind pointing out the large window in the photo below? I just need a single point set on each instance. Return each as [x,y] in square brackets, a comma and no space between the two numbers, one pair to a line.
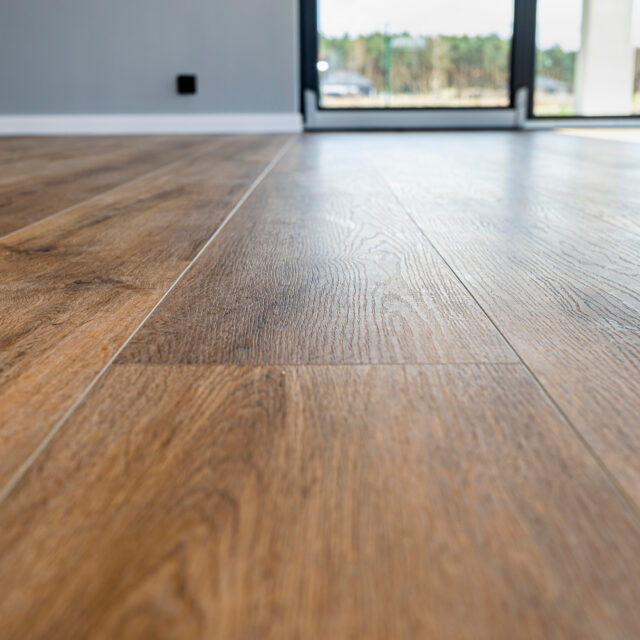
[414,53]
[468,63]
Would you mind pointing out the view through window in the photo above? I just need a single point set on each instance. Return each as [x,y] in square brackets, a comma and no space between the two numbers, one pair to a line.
[588,58]
[410,54]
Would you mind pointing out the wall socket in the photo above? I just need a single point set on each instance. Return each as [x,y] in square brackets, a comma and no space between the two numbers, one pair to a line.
[186,84]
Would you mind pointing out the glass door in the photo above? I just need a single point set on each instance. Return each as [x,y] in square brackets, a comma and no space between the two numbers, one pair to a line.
[370,64]
[412,54]
[587,59]
[409,63]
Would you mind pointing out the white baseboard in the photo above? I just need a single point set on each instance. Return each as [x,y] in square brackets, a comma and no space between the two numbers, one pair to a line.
[141,124]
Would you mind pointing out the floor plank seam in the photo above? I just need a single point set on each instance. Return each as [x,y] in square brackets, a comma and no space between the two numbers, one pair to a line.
[188,155]
[581,438]
[15,480]
[307,365]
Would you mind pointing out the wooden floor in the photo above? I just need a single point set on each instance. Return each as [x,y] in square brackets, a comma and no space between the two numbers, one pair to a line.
[334,386]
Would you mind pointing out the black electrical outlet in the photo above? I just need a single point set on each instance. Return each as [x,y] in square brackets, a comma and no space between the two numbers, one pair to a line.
[187,84]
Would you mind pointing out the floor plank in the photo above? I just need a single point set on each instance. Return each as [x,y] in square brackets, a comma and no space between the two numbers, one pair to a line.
[64,174]
[28,157]
[562,286]
[75,287]
[320,266]
[583,177]
[318,502]
[193,496]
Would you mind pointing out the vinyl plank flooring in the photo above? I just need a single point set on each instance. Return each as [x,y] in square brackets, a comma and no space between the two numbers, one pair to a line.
[317,502]
[26,157]
[320,266]
[62,175]
[564,288]
[74,288]
[584,177]
[572,179]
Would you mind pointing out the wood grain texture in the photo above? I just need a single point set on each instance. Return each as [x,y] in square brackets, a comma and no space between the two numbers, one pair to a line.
[562,285]
[28,157]
[63,174]
[75,287]
[580,177]
[320,266]
[311,495]
[318,502]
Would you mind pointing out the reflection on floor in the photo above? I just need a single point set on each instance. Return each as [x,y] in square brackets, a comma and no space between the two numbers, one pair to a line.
[621,134]
[377,386]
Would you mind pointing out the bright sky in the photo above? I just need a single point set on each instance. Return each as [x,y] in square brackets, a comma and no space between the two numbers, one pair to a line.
[559,21]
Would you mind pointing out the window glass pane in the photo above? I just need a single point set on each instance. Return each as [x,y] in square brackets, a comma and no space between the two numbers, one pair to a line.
[588,58]
[414,53]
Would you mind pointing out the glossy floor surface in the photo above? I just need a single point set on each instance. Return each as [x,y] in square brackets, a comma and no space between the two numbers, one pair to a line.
[378,386]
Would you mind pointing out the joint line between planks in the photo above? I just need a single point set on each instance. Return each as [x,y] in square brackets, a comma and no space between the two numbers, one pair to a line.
[17,477]
[165,167]
[550,399]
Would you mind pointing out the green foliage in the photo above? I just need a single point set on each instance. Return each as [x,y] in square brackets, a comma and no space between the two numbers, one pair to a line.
[558,64]
[460,62]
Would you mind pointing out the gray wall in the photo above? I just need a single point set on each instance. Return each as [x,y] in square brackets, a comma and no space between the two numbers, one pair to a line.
[122,56]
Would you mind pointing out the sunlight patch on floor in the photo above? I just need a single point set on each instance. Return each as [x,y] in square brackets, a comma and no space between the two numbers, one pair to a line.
[620,134]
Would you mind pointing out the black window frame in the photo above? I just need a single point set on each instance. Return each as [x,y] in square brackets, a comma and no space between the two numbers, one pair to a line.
[523,66]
